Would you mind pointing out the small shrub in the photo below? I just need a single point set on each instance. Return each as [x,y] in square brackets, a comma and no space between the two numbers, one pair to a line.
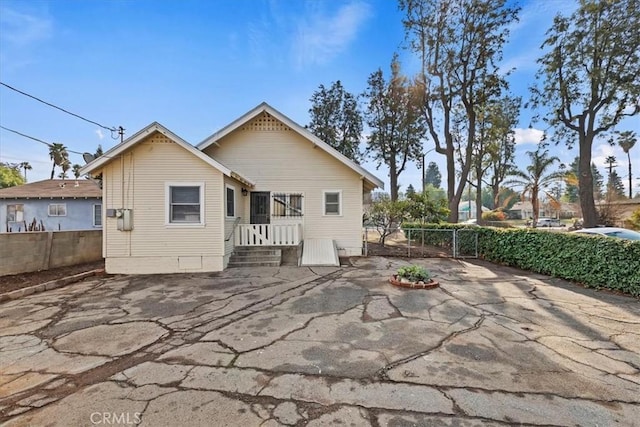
[414,273]
[494,216]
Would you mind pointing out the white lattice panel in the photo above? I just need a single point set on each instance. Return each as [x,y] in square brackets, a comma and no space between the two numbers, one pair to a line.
[266,122]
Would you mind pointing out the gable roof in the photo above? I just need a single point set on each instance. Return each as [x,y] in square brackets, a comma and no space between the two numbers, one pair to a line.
[264,107]
[148,130]
[54,189]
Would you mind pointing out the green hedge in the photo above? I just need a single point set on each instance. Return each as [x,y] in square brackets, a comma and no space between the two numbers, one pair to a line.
[599,262]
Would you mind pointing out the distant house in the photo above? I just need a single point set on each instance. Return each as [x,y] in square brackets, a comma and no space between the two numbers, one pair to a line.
[467,211]
[261,181]
[53,204]
[524,210]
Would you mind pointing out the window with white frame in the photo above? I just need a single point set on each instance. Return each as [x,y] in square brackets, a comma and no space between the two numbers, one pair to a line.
[287,205]
[97,215]
[15,213]
[58,209]
[231,201]
[185,204]
[332,203]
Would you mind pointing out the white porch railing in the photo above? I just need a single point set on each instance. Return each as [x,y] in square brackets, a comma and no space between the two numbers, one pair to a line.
[268,235]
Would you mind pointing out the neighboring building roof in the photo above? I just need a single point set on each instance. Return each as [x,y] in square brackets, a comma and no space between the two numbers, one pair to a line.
[148,130]
[264,107]
[53,189]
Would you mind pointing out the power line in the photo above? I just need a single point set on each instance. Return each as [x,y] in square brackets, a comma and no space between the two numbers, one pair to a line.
[110,129]
[36,139]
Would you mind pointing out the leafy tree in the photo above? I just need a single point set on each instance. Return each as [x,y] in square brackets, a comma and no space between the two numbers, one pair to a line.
[506,198]
[59,155]
[435,193]
[427,207]
[494,145]
[626,140]
[386,215]
[393,114]
[432,175]
[459,44]
[502,118]
[615,187]
[588,79]
[10,175]
[26,166]
[337,120]
[634,221]
[410,191]
[537,177]
[571,182]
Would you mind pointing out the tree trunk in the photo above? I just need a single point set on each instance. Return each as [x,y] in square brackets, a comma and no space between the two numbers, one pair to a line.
[393,179]
[535,205]
[479,220]
[630,180]
[585,183]
[495,189]
[451,184]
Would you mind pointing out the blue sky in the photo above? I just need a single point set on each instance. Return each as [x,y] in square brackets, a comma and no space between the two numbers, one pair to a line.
[195,66]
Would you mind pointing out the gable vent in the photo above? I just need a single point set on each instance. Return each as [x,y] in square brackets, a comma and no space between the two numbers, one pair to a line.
[265,122]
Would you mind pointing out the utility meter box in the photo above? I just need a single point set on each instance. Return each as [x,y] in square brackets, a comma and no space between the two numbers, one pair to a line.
[125,219]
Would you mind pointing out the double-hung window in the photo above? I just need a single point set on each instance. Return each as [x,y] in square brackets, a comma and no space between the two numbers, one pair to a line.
[287,205]
[15,213]
[58,209]
[97,215]
[332,203]
[185,203]
[231,201]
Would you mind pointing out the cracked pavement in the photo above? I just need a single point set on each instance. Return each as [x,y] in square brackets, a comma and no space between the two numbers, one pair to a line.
[293,346]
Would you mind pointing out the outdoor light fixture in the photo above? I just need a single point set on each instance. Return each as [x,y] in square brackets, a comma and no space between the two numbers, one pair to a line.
[244,191]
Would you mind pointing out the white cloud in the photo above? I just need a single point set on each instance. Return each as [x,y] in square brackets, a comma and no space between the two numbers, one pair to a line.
[320,37]
[528,136]
[21,29]
[100,134]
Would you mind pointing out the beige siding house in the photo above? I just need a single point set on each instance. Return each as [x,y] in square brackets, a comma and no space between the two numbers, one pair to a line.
[263,180]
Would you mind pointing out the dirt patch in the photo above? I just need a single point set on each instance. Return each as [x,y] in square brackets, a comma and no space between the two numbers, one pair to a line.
[402,250]
[19,281]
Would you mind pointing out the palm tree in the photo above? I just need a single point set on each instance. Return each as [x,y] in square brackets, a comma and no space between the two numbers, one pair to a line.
[26,166]
[58,154]
[537,177]
[65,166]
[626,141]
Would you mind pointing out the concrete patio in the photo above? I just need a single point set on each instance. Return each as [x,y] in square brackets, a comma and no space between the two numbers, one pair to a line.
[320,346]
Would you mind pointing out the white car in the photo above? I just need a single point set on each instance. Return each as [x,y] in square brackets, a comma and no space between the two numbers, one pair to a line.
[620,233]
[548,222]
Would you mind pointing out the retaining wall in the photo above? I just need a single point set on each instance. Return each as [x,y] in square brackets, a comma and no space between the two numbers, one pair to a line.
[34,251]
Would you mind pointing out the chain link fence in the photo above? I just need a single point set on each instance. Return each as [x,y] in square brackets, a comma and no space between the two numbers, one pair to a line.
[421,243]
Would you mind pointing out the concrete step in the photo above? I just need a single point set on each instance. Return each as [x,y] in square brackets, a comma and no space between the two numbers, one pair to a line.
[249,256]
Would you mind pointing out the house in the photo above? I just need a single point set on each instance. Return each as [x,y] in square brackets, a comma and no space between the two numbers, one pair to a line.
[467,211]
[263,180]
[524,210]
[50,205]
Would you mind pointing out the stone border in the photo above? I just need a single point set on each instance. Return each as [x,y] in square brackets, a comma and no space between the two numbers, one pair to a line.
[431,284]
[53,284]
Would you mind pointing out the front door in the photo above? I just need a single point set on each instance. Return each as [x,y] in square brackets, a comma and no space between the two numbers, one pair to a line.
[259,207]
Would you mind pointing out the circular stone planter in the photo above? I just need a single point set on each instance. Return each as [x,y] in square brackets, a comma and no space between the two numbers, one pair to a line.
[404,283]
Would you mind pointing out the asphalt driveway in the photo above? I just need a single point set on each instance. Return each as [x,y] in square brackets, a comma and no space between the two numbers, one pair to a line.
[322,346]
